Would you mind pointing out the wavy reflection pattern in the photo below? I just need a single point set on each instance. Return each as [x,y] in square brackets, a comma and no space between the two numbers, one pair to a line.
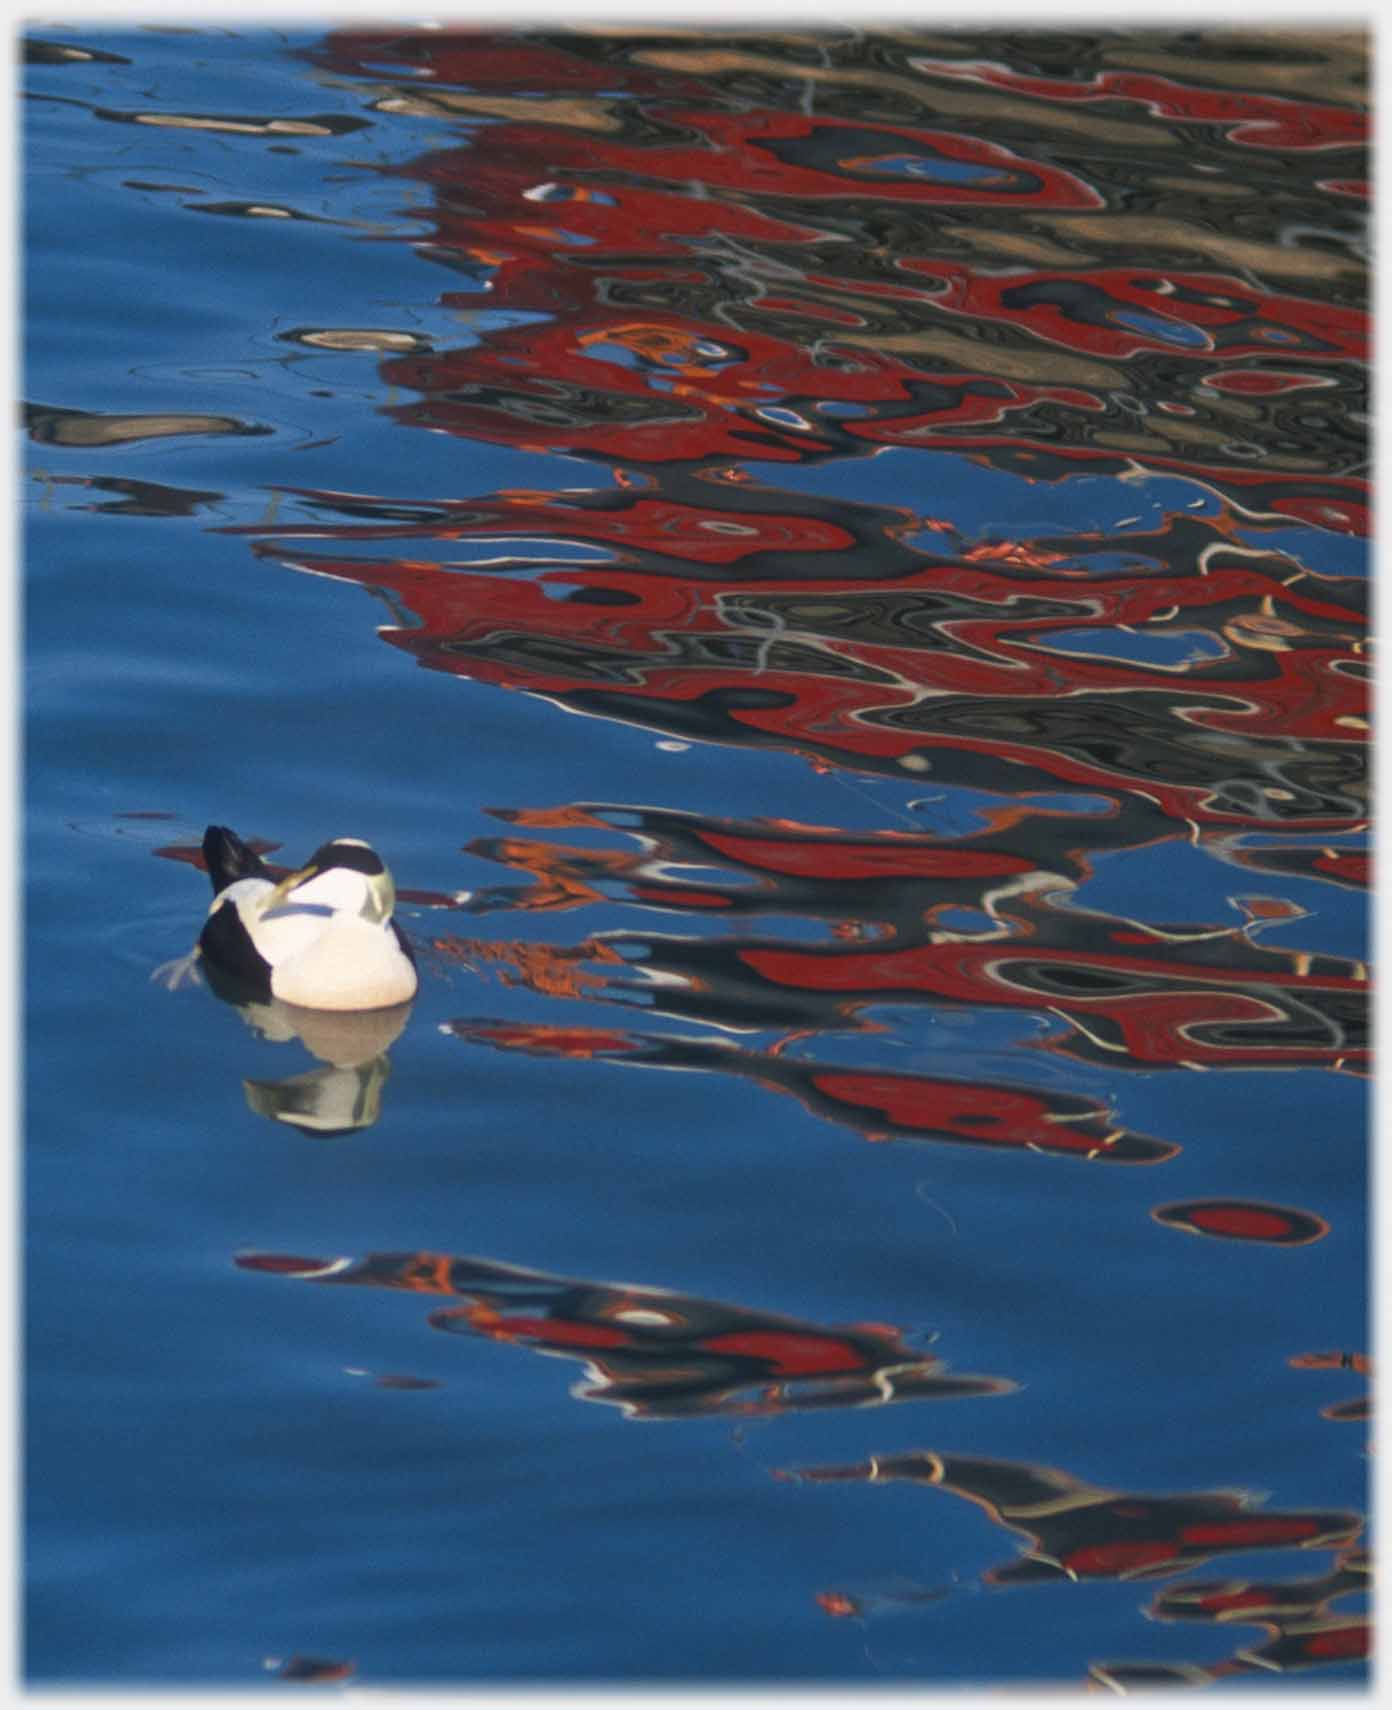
[978,412]
[654,1353]
[1075,1531]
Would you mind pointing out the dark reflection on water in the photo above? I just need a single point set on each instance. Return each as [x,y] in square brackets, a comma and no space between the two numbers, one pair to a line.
[978,419]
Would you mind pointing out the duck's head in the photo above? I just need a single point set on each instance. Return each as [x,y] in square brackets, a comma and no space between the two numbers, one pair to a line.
[344,875]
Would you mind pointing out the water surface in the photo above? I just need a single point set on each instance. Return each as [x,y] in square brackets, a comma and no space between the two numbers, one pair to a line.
[832,566]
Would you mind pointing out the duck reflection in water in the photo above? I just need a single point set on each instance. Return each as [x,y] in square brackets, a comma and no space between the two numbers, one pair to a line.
[344,1094]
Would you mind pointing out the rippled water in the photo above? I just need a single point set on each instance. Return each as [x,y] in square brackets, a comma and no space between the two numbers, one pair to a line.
[917,482]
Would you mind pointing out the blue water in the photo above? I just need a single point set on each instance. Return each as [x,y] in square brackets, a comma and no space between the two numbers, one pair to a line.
[211,1481]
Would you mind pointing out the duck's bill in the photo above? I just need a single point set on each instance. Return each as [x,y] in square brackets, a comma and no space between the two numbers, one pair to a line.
[291,882]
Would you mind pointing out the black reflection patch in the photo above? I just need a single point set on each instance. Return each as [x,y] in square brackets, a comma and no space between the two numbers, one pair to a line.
[1070,979]
[551,654]
[148,498]
[1143,737]
[829,149]
[909,617]
[38,52]
[707,717]
[586,661]
[554,404]
[376,510]
[1340,1017]
[592,596]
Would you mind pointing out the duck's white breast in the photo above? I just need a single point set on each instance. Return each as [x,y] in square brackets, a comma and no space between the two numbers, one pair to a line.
[350,964]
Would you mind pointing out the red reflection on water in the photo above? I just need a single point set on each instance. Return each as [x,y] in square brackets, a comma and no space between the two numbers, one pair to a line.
[1303,1631]
[1078,1531]
[957,670]
[893,882]
[643,184]
[651,1352]
[1255,1600]
[1118,312]
[314,1670]
[881,1105]
[1164,1009]
[1129,994]
[1357,1411]
[1257,121]
[1243,1220]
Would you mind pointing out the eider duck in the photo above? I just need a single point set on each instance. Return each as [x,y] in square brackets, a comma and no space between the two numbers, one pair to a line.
[323,937]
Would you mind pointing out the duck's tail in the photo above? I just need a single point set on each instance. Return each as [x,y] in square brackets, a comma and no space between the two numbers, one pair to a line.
[227,858]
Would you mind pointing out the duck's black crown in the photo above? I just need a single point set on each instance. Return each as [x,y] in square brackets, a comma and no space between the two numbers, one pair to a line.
[347,852]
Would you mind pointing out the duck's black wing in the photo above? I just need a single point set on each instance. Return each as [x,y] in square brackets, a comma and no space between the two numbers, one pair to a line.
[228,951]
[227,858]
[229,954]
[405,943]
